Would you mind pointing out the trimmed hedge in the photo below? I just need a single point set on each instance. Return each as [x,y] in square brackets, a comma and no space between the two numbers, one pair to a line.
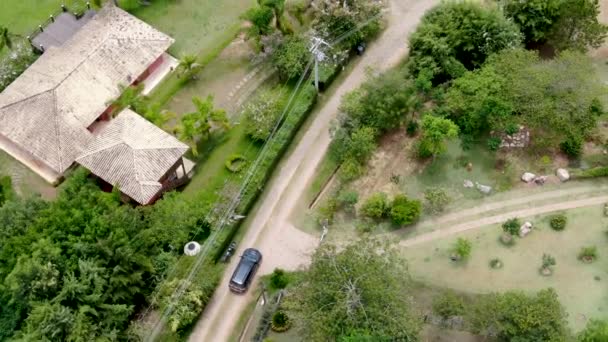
[235,163]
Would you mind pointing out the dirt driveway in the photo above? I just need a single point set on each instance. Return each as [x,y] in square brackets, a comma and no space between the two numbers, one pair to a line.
[270,231]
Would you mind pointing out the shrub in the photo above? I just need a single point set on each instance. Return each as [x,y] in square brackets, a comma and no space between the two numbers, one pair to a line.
[595,331]
[188,307]
[572,146]
[436,199]
[328,209]
[462,248]
[494,143]
[558,222]
[348,199]
[511,226]
[291,57]
[262,113]
[423,149]
[364,226]
[544,163]
[235,163]
[280,322]
[588,254]
[548,261]
[350,169]
[448,304]
[412,128]
[496,263]
[278,279]
[376,206]
[404,211]
[601,171]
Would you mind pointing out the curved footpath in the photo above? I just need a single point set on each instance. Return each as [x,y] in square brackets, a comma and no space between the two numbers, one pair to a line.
[270,231]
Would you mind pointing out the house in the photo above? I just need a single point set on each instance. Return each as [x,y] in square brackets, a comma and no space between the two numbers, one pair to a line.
[57,110]
[136,156]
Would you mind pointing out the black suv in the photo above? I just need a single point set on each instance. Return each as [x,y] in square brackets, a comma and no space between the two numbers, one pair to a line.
[244,272]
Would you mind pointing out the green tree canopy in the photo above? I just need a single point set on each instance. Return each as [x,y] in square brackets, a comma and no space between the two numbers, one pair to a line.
[198,124]
[565,24]
[596,331]
[292,56]
[262,113]
[360,290]
[435,132]
[454,37]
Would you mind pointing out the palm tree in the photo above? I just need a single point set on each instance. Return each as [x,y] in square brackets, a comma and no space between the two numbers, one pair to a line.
[278,7]
[198,124]
[189,66]
[130,98]
[5,39]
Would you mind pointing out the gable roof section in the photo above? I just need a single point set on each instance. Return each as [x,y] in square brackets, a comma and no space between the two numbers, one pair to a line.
[47,109]
[133,154]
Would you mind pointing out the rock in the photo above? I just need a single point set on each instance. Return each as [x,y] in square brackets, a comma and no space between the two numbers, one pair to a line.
[528,177]
[525,229]
[484,189]
[562,174]
[540,180]
[468,184]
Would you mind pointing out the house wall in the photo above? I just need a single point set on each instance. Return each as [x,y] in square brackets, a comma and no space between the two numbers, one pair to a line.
[155,65]
[29,160]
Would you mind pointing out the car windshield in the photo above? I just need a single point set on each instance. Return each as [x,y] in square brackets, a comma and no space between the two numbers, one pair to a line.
[242,272]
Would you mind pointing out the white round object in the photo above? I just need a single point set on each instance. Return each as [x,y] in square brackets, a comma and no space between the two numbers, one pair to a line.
[192,248]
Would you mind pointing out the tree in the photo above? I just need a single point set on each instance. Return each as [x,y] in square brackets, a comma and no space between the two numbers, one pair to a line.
[197,125]
[353,291]
[516,316]
[189,67]
[278,8]
[278,279]
[376,206]
[291,57]
[130,97]
[260,18]
[564,24]
[511,226]
[454,37]
[262,113]
[595,331]
[405,211]
[435,132]
[462,249]
[5,39]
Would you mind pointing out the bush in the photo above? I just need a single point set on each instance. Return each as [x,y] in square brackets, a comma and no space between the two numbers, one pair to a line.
[235,163]
[291,57]
[595,331]
[348,199]
[595,172]
[558,222]
[404,211]
[350,169]
[494,143]
[436,200]
[412,128]
[572,146]
[588,254]
[376,206]
[496,263]
[548,262]
[511,226]
[364,226]
[262,113]
[328,209]
[448,304]
[278,279]
[423,149]
[280,322]
[462,249]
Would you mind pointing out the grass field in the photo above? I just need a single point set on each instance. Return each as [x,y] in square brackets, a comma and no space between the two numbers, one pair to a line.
[581,287]
[23,16]
[196,25]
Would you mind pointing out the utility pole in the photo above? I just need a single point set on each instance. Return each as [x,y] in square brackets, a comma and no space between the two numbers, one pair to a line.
[319,55]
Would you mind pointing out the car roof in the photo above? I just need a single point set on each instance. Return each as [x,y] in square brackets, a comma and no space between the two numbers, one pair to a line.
[242,271]
[252,254]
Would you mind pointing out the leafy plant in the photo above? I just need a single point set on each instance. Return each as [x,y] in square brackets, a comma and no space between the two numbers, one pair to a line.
[291,57]
[494,143]
[595,331]
[435,132]
[588,254]
[548,261]
[448,304]
[412,128]
[261,113]
[278,279]
[280,322]
[511,226]
[558,222]
[462,249]
[197,125]
[236,162]
[404,211]
[496,263]
[436,199]
[348,199]
[572,146]
[376,206]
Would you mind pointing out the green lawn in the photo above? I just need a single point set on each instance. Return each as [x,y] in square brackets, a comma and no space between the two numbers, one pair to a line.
[23,16]
[196,25]
[581,287]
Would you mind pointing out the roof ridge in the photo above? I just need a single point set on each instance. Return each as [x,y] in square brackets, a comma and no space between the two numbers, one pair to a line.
[28,98]
[57,130]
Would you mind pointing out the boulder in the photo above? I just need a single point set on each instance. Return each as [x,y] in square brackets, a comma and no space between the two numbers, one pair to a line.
[484,189]
[540,180]
[468,184]
[525,229]
[528,177]
[562,174]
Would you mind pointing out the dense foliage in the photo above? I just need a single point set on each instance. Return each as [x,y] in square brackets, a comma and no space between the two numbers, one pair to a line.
[564,24]
[405,211]
[78,268]
[458,36]
[376,206]
[198,124]
[436,131]
[554,99]
[448,304]
[515,316]
[354,291]
[596,331]
[262,113]
[292,57]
